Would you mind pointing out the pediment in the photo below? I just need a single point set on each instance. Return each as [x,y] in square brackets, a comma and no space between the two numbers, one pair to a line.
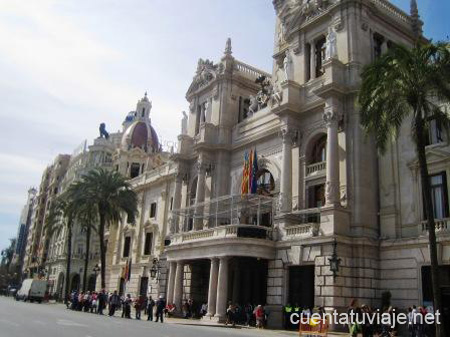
[206,73]
[435,154]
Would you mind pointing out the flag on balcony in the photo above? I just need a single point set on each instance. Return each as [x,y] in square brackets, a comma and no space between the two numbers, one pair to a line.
[254,172]
[245,174]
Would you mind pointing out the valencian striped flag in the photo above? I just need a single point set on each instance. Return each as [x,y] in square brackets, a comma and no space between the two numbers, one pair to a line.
[249,178]
[126,271]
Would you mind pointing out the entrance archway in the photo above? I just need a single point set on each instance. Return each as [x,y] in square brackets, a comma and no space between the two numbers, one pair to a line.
[75,283]
[91,283]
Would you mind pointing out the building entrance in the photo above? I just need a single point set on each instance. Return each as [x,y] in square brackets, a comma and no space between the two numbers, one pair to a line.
[301,286]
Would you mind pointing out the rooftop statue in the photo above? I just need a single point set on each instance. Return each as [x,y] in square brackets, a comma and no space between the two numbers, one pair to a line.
[103,132]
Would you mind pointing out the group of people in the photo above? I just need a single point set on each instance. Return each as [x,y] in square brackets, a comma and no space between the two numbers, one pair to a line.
[97,302]
[249,315]
[417,326]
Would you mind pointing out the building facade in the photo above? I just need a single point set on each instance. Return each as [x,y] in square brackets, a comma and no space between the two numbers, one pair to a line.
[318,189]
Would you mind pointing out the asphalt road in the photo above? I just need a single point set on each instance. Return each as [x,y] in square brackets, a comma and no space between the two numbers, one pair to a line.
[18,319]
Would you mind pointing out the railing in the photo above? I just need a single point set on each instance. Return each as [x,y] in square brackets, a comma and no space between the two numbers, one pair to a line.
[228,231]
[249,70]
[315,168]
[441,225]
[302,230]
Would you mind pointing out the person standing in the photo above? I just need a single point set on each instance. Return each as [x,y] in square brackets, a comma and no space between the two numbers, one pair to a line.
[259,316]
[101,302]
[114,302]
[126,306]
[138,306]
[160,305]
[150,306]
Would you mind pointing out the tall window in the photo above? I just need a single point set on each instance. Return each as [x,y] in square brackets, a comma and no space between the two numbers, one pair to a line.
[308,61]
[265,182]
[148,243]
[439,195]
[434,133]
[126,246]
[377,45]
[320,56]
[319,151]
[244,104]
[316,196]
[153,210]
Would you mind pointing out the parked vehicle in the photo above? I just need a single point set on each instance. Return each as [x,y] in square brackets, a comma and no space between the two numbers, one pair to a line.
[32,290]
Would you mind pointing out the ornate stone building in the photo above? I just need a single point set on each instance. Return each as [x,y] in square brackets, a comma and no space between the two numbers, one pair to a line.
[321,188]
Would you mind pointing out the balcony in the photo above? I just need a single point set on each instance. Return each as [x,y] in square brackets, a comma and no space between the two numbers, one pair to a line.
[307,224]
[316,169]
[223,232]
[441,225]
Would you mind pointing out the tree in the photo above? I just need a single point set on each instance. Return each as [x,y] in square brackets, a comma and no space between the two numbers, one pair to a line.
[87,218]
[112,196]
[64,209]
[8,254]
[409,84]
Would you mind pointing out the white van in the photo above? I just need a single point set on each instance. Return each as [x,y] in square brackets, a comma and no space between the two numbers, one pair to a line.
[32,290]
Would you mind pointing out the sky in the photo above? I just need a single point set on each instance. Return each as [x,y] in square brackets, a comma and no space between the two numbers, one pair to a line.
[66,66]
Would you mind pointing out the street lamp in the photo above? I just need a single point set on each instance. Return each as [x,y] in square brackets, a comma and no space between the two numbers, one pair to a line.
[154,271]
[334,260]
[96,269]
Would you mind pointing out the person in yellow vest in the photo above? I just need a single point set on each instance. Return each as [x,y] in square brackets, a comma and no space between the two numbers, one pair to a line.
[287,316]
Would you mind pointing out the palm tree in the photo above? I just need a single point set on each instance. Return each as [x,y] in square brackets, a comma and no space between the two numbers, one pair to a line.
[87,218]
[64,209]
[8,253]
[111,195]
[407,84]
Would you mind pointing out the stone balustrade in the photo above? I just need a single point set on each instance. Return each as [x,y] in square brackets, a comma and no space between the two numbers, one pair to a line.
[441,225]
[316,168]
[220,232]
[250,71]
[393,10]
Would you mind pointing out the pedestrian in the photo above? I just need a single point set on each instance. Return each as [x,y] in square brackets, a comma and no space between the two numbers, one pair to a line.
[248,314]
[138,306]
[150,306]
[114,302]
[101,302]
[160,305]
[126,306]
[204,309]
[231,311]
[259,316]
[94,303]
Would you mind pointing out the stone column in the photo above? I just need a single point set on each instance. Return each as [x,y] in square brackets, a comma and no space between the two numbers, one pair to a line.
[212,290]
[286,171]
[178,287]
[331,117]
[236,283]
[177,201]
[171,282]
[200,193]
[222,289]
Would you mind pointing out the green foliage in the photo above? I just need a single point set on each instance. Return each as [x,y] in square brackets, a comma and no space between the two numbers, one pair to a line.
[405,83]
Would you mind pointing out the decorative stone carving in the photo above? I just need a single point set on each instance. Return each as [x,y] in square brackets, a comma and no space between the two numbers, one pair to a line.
[293,13]
[228,50]
[331,44]
[184,123]
[331,115]
[206,73]
[288,65]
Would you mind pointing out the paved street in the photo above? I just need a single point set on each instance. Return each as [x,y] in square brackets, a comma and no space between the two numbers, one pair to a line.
[18,319]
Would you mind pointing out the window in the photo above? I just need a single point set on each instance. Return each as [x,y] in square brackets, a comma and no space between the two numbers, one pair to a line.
[153,210]
[316,196]
[377,45]
[439,195]
[308,61]
[134,170]
[265,182]
[148,243]
[244,104]
[319,151]
[434,132]
[197,121]
[126,246]
[143,112]
[171,203]
[320,56]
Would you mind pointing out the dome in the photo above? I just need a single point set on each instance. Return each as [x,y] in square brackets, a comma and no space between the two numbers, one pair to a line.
[142,135]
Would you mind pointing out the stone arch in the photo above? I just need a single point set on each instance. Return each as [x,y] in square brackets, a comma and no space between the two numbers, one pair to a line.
[311,140]
[273,168]
[75,282]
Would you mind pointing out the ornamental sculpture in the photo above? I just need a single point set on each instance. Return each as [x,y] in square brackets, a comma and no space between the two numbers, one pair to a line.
[267,94]
[103,132]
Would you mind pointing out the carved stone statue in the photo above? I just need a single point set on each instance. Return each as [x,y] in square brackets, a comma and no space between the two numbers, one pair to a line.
[103,132]
[287,66]
[253,107]
[184,123]
[331,45]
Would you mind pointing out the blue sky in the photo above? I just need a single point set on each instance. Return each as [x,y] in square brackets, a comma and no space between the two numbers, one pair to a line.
[69,65]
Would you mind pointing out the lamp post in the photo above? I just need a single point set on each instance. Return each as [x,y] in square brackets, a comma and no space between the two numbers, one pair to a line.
[154,271]
[96,270]
[334,260]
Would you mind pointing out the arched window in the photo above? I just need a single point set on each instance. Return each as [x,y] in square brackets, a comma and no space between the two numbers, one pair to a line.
[319,150]
[266,183]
